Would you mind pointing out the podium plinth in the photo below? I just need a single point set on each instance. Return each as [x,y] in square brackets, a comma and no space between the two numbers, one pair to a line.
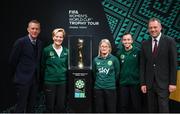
[79,74]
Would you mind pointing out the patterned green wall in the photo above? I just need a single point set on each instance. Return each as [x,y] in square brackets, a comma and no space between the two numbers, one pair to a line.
[132,16]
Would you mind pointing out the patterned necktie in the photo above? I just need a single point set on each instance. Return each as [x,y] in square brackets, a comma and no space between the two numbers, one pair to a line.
[33,42]
[155,48]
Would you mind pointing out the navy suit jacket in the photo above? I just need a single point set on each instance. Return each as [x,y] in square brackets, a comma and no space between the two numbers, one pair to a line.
[163,67]
[22,59]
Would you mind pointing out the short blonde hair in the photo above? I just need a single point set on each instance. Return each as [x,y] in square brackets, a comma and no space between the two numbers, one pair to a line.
[107,42]
[58,30]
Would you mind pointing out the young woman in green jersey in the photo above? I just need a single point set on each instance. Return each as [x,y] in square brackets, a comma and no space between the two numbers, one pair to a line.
[55,64]
[129,75]
[106,71]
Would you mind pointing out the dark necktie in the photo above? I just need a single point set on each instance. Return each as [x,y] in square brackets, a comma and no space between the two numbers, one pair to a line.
[34,47]
[155,48]
[34,42]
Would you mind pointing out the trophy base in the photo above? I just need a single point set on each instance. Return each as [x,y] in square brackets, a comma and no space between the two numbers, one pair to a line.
[80,90]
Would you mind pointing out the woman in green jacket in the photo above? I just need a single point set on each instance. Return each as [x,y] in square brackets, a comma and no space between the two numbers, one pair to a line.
[129,82]
[106,71]
[55,65]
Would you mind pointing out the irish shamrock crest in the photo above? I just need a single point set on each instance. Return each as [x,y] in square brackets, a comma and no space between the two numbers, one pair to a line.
[109,63]
[51,54]
[122,56]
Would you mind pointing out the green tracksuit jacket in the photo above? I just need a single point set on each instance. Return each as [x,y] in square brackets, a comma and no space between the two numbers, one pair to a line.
[54,67]
[129,62]
[105,71]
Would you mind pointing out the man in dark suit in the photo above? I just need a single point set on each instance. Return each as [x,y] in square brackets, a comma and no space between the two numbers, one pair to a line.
[24,60]
[158,68]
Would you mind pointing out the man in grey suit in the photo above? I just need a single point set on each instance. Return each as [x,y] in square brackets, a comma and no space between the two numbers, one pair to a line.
[24,60]
[158,67]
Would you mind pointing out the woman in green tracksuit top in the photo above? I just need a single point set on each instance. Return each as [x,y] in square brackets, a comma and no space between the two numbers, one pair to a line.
[54,64]
[129,82]
[105,71]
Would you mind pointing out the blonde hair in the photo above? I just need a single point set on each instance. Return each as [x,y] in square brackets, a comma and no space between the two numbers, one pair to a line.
[58,30]
[107,42]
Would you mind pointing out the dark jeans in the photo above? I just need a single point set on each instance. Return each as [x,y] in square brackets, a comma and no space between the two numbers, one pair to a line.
[105,100]
[55,97]
[130,94]
[26,97]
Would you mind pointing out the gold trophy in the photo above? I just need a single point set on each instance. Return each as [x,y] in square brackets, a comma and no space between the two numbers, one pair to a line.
[80,53]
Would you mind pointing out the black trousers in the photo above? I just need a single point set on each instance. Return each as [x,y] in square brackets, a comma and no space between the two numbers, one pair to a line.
[158,99]
[26,97]
[105,100]
[55,96]
[130,94]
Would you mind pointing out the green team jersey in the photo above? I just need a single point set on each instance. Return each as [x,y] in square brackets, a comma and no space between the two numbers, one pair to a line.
[129,62]
[54,67]
[106,71]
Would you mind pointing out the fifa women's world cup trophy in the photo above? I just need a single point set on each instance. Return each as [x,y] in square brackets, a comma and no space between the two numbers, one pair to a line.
[80,53]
